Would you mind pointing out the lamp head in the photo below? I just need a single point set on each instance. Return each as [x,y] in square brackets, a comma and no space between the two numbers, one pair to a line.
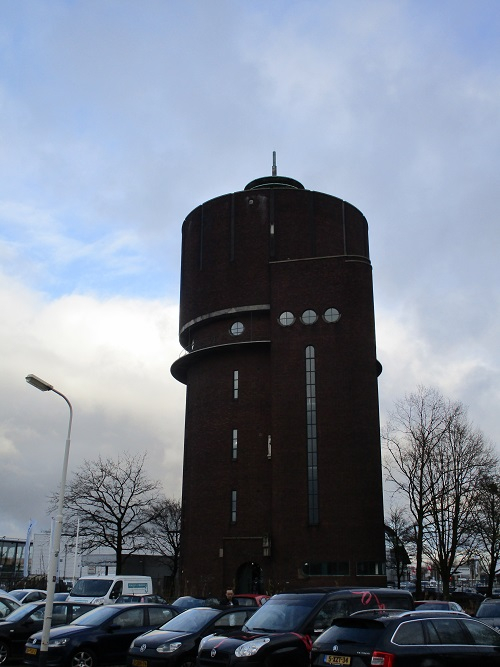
[39,383]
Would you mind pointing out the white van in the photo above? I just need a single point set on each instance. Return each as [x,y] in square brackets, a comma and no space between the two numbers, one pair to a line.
[104,589]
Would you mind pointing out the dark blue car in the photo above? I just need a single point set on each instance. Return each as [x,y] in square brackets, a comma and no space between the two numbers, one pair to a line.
[101,636]
[27,619]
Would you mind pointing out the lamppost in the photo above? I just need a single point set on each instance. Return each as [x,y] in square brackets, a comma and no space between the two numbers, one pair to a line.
[56,538]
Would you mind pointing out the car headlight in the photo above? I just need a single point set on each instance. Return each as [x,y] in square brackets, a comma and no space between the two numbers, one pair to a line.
[250,648]
[168,648]
[59,641]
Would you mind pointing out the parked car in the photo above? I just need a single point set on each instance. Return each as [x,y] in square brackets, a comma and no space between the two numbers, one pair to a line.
[279,633]
[489,612]
[27,619]
[468,601]
[251,599]
[135,599]
[412,638]
[176,643]
[101,636]
[441,605]
[7,604]
[25,595]
[189,602]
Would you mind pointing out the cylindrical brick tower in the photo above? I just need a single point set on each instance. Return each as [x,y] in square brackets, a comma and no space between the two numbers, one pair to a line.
[282,482]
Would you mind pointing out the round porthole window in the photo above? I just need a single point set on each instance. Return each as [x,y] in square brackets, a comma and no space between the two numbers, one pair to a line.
[236,329]
[286,319]
[308,317]
[331,315]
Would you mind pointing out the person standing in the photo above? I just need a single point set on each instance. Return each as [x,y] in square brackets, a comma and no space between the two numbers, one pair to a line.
[229,600]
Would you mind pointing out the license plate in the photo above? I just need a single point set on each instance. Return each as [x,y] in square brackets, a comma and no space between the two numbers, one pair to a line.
[31,651]
[337,659]
[139,663]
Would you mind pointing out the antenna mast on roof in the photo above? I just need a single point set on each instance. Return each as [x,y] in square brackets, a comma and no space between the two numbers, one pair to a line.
[275,171]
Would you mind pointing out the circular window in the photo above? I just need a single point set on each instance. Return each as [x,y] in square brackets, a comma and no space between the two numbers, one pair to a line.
[286,319]
[331,315]
[308,317]
[236,329]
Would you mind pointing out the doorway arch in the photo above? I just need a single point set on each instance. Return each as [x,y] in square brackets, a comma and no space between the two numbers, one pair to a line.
[249,578]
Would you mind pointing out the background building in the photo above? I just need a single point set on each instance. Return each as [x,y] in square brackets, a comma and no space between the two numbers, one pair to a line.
[282,483]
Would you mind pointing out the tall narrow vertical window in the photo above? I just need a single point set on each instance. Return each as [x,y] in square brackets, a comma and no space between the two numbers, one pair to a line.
[233,506]
[312,438]
[234,449]
[236,380]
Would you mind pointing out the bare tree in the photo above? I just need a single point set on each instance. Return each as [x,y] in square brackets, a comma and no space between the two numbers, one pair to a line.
[487,525]
[399,532]
[412,433]
[458,464]
[165,534]
[113,501]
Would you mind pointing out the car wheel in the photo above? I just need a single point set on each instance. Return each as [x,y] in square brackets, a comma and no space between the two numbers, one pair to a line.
[83,658]
[4,652]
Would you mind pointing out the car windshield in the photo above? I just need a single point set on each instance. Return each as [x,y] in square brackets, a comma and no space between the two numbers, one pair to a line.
[190,620]
[96,616]
[281,615]
[91,588]
[21,612]
[488,610]
[351,631]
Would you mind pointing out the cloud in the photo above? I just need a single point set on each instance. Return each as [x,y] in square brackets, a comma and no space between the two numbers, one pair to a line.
[111,358]
[118,120]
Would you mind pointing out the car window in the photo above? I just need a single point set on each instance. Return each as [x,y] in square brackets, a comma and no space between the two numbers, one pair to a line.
[37,615]
[59,614]
[234,619]
[79,609]
[488,610]
[130,618]
[159,616]
[447,630]
[332,609]
[409,633]
[4,610]
[482,634]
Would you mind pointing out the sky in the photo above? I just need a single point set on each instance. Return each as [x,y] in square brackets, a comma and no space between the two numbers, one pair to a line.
[119,117]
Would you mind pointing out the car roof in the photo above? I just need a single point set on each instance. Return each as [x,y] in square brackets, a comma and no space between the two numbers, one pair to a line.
[390,615]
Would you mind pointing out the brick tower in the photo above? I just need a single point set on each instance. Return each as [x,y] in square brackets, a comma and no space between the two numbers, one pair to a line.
[282,483]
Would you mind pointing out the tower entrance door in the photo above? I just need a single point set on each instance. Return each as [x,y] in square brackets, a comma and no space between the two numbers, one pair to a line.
[249,578]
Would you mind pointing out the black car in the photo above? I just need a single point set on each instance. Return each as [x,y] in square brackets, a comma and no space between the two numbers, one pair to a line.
[189,602]
[176,643]
[489,612]
[412,639]
[280,633]
[27,619]
[101,636]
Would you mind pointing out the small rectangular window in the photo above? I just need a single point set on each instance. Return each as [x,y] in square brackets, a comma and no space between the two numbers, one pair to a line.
[233,506]
[234,450]
[235,384]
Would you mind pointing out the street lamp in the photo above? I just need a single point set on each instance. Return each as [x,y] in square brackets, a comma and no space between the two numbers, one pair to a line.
[56,541]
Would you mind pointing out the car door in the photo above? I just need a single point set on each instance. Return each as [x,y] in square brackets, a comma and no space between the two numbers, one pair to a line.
[26,627]
[117,635]
[451,644]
